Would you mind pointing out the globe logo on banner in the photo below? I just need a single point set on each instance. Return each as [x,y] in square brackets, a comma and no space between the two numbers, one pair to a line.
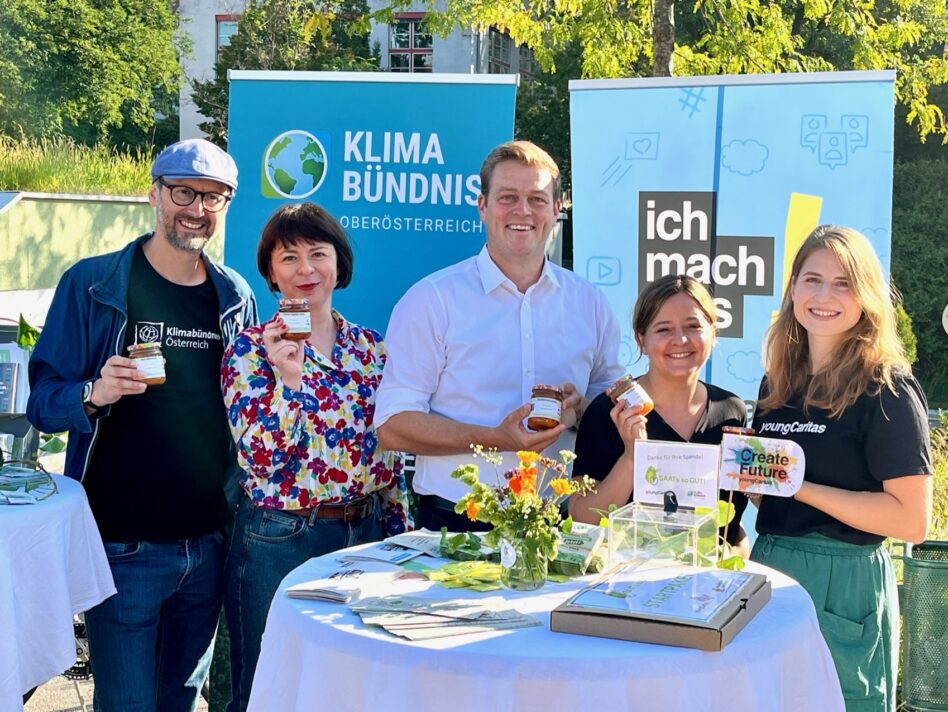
[294,164]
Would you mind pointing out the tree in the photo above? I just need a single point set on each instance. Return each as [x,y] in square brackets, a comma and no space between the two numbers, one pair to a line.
[729,37]
[84,68]
[287,35]
[919,226]
[543,109]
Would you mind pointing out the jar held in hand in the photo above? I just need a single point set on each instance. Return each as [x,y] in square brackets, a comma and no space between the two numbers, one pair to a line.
[295,314]
[547,402]
[148,359]
[631,391]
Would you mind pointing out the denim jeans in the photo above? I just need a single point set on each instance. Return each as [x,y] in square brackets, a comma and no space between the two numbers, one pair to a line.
[150,644]
[267,544]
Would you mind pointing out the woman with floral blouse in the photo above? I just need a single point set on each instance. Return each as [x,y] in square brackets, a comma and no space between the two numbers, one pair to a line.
[301,413]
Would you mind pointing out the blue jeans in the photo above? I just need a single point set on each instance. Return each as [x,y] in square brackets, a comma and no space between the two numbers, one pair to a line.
[266,545]
[150,644]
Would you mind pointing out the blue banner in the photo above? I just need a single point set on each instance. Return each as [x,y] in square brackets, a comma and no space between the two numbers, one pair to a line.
[395,158]
[722,178]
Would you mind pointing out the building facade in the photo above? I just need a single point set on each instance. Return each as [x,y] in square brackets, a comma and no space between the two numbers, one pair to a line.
[405,45]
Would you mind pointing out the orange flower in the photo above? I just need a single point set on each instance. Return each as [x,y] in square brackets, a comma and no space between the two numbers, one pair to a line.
[561,486]
[527,457]
[473,508]
[515,484]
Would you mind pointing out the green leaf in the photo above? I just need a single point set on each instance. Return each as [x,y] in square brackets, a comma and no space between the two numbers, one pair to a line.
[53,445]
[733,563]
[26,335]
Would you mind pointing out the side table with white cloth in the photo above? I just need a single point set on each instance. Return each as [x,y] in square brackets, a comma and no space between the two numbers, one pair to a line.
[317,651]
[54,566]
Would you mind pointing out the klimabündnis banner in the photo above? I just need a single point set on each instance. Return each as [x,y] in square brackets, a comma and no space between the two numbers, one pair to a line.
[722,178]
[396,158]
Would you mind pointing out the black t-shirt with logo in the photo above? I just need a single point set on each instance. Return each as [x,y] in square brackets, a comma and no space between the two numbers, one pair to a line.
[880,437]
[599,445]
[160,459]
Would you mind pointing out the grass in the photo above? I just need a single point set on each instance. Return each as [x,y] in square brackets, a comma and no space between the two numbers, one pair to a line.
[62,166]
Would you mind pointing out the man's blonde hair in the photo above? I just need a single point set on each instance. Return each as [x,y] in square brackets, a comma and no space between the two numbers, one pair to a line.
[524,152]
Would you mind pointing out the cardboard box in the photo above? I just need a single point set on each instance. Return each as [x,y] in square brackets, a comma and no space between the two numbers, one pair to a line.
[629,603]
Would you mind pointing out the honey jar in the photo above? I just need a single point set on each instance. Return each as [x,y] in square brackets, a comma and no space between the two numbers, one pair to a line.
[149,361]
[547,402]
[295,314]
[631,391]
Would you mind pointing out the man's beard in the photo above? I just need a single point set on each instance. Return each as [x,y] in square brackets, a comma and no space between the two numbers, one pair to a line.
[188,243]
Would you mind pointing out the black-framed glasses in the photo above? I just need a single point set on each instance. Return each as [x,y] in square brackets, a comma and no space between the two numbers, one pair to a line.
[183,196]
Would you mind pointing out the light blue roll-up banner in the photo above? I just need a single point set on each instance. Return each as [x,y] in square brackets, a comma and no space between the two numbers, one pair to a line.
[395,158]
[722,178]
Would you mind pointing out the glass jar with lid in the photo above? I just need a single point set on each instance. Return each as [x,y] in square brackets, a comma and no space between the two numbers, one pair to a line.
[149,361]
[547,402]
[631,391]
[295,314]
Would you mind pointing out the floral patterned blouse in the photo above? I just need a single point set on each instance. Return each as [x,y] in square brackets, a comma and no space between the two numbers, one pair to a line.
[318,444]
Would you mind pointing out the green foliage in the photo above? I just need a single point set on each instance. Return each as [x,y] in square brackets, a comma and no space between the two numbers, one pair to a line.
[84,68]
[906,333]
[62,166]
[919,227]
[730,36]
[297,35]
[26,335]
[543,109]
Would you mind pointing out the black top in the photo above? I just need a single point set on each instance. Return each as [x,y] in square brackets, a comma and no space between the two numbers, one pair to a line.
[878,438]
[160,459]
[599,445]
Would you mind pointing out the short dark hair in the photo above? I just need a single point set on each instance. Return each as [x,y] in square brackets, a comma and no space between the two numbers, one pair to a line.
[525,153]
[294,223]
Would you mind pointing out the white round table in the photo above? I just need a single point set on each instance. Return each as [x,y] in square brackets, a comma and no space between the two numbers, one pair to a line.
[319,655]
[54,566]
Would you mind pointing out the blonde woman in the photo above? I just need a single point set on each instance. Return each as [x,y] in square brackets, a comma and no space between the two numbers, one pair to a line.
[838,383]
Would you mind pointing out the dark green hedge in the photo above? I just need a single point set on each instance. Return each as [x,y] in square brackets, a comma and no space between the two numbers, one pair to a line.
[920,264]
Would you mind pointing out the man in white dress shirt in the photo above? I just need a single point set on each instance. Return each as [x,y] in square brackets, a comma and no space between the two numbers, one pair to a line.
[467,344]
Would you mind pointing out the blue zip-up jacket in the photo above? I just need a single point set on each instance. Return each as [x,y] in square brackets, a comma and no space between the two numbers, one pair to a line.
[85,326]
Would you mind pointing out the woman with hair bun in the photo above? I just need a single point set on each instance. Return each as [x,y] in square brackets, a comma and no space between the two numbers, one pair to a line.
[675,327]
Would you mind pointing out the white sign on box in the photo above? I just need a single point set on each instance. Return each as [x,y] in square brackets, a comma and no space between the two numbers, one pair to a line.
[755,465]
[688,470]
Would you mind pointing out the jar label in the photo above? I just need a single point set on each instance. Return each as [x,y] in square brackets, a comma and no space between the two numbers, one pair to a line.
[151,366]
[297,322]
[546,408]
[636,396]
[508,554]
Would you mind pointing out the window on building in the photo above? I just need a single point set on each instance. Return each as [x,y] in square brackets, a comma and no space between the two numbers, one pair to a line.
[529,67]
[498,57]
[226,29]
[410,44]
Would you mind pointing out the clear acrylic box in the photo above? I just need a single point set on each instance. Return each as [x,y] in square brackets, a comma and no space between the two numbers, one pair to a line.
[646,532]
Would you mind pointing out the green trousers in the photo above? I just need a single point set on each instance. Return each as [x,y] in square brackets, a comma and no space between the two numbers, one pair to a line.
[853,589]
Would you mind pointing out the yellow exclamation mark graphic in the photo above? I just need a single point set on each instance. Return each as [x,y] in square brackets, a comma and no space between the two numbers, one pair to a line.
[803,215]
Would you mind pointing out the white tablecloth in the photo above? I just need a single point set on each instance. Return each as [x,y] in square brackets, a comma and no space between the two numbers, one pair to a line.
[52,565]
[319,656]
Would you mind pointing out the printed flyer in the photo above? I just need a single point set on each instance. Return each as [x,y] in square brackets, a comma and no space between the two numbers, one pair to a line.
[688,470]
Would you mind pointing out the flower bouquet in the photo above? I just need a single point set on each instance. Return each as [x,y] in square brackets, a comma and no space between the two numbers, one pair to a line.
[524,509]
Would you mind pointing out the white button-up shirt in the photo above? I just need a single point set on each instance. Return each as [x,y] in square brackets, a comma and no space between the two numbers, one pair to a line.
[464,343]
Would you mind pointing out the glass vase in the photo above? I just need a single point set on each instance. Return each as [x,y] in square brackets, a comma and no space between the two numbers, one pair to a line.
[522,567]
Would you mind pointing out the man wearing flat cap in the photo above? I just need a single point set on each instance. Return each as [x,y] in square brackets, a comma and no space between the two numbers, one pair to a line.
[154,459]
